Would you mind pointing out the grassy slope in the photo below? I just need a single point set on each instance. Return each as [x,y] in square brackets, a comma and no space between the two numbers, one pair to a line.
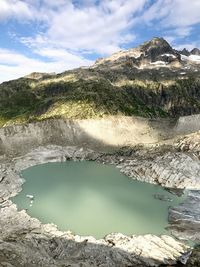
[88,95]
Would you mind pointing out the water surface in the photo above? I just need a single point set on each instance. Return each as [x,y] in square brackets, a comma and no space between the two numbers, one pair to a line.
[93,199]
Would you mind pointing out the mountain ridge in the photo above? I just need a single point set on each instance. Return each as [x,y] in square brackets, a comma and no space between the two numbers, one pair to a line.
[152,80]
[156,50]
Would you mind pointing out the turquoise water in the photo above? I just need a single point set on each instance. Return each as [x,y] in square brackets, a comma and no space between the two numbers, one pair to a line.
[93,199]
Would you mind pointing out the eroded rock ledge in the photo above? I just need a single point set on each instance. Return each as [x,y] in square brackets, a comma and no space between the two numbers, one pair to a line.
[173,165]
[26,242]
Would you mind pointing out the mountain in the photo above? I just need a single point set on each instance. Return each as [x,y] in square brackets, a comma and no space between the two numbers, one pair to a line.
[195,51]
[193,55]
[152,80]
[185,52]
[156,52]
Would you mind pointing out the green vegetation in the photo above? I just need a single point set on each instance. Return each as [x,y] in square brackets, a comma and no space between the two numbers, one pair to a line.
[92,96]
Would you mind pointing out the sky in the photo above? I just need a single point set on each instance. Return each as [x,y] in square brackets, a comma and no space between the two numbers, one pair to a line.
[57,35]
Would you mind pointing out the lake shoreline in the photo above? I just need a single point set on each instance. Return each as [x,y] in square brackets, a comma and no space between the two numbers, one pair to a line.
[128,160]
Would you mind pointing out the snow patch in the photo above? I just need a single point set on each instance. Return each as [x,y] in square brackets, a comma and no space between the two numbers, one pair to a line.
[168,55]
[186,67]
[183,57]
[158,63]
[194,58]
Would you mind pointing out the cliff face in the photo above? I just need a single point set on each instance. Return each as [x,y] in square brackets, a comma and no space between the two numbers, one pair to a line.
[100,134]
[156,52]
[152,80]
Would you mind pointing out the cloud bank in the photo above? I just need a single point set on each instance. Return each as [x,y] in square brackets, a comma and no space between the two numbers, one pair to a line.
[66,34]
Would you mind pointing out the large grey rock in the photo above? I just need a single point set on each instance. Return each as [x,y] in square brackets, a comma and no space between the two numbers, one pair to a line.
[176,170]
[24,241]
[185,219]
[195,51]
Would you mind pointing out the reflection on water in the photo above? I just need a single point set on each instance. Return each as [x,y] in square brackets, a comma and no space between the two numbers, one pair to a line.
[94,199]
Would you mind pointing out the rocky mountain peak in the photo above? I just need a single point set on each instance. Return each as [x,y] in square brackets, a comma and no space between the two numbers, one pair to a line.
[185,52]
[195,51]
[156,42]
[158,49]
[155,53]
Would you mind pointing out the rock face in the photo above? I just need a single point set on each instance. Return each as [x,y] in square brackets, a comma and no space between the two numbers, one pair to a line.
[26,242]
[185,219]
[174,170]
[94,133]
[155,52]
[195,51]
[194,260]
[21,235]
[158,49]
[112,132]
[185,52]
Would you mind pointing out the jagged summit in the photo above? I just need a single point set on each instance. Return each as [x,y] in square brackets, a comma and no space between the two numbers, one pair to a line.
[185,52]
[158,49]
[195,51]
[156,42]
[190,57]
[152,54]
[156,52]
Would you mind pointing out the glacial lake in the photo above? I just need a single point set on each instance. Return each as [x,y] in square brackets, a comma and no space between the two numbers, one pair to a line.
[94,199]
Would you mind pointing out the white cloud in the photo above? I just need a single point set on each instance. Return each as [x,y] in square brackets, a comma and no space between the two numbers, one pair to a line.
[101,28]
[14,65]
[183,13]
[179,15]
[14,9]
[157,11]
[170,39]
[189,46]
[175,18]
[174,13]
[71,29]
[183,31]
[104,26]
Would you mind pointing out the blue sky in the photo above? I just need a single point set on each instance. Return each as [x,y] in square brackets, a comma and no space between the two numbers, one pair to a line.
[56,35]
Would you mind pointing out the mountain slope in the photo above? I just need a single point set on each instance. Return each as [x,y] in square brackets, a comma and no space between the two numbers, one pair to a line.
[152,80]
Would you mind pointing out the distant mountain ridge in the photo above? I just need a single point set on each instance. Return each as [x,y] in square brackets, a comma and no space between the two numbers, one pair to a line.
[153,53]
[194,51]
[152,80]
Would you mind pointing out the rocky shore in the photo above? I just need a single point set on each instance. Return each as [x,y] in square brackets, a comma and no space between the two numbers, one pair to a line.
[173,164]
[185,219]
[26,242]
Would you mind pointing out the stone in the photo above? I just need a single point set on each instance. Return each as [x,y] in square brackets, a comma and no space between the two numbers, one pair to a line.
[185,219]
[24,241]
[27,242]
